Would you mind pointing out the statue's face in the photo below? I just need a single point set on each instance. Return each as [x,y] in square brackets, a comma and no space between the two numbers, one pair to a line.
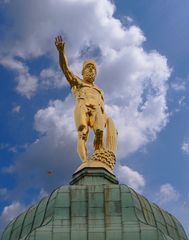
[89,73]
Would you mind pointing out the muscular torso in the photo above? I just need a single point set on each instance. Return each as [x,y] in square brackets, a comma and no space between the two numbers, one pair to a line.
[89,95]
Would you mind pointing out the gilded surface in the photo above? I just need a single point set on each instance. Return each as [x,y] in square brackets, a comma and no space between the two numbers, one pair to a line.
[89,112]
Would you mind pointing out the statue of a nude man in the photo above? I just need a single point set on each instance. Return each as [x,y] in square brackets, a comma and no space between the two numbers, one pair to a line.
[89,108]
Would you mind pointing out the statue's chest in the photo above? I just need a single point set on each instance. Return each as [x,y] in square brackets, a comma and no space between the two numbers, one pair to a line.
[89,92]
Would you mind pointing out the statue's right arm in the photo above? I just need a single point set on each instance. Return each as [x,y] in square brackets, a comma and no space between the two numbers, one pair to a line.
[71,78]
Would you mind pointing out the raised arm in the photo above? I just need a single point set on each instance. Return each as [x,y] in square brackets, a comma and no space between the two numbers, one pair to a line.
[59,43]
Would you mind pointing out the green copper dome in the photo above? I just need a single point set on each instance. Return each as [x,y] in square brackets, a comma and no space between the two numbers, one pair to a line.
[94,206]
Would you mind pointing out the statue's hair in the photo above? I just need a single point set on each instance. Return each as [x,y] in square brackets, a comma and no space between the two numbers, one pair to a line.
[88,61]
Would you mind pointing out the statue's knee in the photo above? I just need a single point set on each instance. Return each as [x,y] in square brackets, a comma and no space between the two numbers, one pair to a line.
[83,136]
[82,132]
[81,128]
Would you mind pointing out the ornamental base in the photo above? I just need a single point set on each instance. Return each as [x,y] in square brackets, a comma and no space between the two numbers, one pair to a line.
[101,158]
[93,176]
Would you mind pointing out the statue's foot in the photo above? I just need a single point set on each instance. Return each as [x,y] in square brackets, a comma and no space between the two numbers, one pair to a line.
[85,161]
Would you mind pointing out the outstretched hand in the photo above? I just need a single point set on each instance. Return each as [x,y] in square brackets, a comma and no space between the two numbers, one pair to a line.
[59,43]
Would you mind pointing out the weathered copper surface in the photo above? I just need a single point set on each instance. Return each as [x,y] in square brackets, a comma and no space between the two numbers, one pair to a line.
[95,207]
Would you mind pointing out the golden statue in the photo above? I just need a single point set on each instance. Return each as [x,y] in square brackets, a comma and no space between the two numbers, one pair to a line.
[89,111]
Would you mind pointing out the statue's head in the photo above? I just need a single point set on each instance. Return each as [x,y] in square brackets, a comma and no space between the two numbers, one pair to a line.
[89,70]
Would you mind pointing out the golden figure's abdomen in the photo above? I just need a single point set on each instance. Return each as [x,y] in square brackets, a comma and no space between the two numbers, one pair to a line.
[90,96]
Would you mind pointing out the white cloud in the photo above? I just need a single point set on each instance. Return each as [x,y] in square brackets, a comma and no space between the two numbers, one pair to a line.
[55,150]
[167,194]
[134,81]
[135,95]
[137,128]
[56,120]
[129,19]
[26,83]
[185,146]
[128,176]
[51,78]
[16,109]
[13,149]
[179,84]
[9,169]
[42,194]
[35,35]
[11,211]
[181,101]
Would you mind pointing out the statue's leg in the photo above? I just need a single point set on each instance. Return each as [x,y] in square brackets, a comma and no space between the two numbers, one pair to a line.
[82,128]
[98,129]
[82,143]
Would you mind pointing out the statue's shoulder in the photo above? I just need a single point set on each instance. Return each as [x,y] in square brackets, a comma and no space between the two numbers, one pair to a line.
[77,85]
[77,82]
[98,89]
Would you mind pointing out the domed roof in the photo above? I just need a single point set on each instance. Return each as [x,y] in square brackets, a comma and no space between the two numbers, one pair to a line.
[94,207]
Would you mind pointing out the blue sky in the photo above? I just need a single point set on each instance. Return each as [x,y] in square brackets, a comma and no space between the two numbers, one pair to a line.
[142,54]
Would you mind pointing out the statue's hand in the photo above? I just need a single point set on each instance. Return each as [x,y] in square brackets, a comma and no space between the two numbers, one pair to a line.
[59,43]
